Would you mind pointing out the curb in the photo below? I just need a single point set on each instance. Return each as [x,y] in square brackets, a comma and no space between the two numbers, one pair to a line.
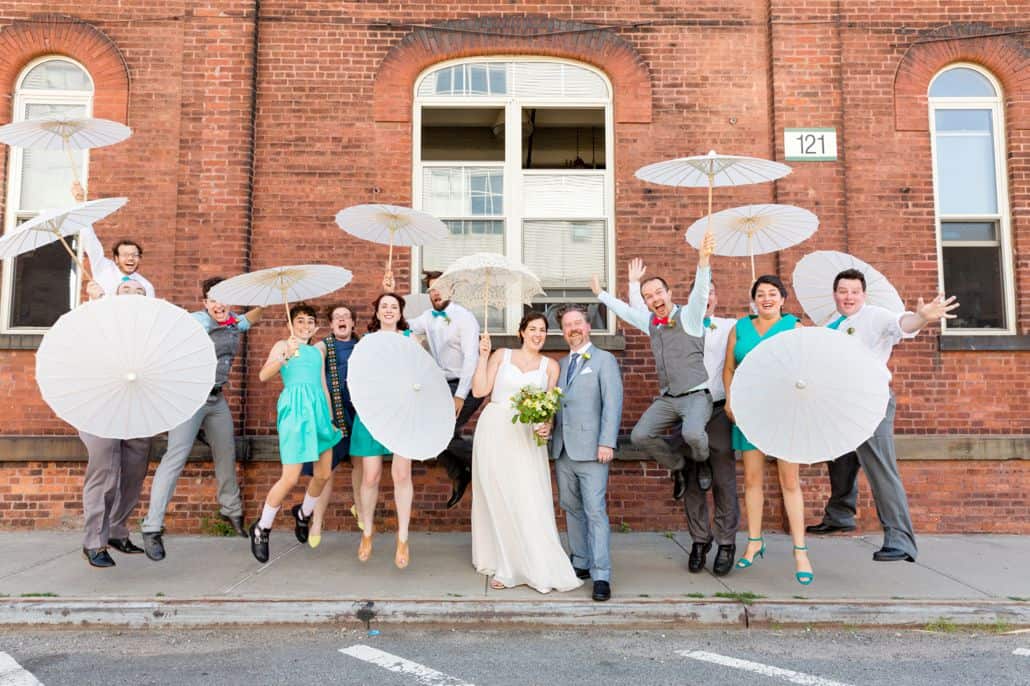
[655,613]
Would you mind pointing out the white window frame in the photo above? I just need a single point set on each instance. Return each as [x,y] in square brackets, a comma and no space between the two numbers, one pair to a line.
[13,212]
[512,163]
[1003,216]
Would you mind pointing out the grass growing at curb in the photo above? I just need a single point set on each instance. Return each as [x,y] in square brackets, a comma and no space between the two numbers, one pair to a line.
[745,597]
[669,535]
[45,594]
[694,595]
[624,528]
[942,625]
[216,527]
[1019,599]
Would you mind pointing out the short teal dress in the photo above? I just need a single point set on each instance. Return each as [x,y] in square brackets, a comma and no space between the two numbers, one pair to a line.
[362,443]
[303,419]
[747,338]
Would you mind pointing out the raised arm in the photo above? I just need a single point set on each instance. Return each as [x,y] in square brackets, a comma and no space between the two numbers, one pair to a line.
[693,315]
[927,313]
[635,275]
[623,311]
[486,368]
[253,316]
[277,357]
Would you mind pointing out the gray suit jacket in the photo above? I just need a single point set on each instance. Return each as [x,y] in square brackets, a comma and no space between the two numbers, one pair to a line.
[591,410]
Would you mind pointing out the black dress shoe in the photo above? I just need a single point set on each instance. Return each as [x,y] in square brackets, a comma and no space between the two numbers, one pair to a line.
[886,554]
[124,545]
[259,542]
[602,591]
[153,546]
[581,573]
[301,524]
[724,559]
[698,556]
[236,523]
[704,475]
[679,484]
[98,557]
[460,484]
[826,528]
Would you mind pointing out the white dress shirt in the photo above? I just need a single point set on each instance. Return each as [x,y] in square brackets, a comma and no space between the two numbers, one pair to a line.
[877,328]
[453,342]
[717,334]
[105,271]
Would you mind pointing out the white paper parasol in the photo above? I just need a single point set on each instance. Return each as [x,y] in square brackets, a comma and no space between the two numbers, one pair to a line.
[809,395]
[391,225]
[711,170]
[485,278]
[751,230]
[64,134]
[813,284]
[126,367]
[53,225]
[401,395]
[282,285]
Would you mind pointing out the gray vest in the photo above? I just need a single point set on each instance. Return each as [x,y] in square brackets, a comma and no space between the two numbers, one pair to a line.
[678,356]
[226,340]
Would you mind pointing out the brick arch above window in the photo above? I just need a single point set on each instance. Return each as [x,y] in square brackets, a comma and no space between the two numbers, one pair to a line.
[513,35]
[60,35]
[1002,55]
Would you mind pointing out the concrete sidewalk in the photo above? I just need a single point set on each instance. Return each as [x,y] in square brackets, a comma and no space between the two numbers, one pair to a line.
[963,579]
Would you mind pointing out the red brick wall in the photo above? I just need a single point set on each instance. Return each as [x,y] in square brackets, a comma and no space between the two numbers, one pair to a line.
[333,92]
[945,497]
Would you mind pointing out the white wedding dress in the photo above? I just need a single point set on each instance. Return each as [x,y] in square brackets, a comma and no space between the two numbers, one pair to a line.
[514,535]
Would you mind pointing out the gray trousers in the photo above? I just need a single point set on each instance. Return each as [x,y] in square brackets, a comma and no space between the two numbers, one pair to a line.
[582,492]
[724,487]
[216,420]
[114,477]
[691,412]
[876,456]
[457,458]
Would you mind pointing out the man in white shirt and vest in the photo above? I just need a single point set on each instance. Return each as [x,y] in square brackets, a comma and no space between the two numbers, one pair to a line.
[879,330]
[453,336]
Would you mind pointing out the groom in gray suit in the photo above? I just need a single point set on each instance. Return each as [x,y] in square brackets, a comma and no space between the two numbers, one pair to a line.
[583,443]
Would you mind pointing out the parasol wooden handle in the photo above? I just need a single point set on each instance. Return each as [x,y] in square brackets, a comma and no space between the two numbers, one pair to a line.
[289,321]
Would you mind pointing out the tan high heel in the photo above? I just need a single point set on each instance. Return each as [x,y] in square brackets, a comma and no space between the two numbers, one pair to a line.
[354,513]
[403,555]
[365,548]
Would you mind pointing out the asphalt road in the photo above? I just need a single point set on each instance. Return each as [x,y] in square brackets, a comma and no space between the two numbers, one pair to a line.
[409,656]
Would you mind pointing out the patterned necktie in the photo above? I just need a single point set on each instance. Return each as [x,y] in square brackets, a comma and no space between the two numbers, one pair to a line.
[571,371]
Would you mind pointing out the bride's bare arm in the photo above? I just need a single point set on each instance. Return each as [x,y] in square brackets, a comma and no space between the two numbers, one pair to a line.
[553,370]
[486,368]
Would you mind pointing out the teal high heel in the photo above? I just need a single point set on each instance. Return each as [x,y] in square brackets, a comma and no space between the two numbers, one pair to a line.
[804,578]
[744,563]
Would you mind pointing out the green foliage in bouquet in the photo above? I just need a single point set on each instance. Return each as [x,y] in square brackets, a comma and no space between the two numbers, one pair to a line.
[535,406]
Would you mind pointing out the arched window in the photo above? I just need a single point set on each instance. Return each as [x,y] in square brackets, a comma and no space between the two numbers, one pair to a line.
[967,129]
[41,286]
[514,154]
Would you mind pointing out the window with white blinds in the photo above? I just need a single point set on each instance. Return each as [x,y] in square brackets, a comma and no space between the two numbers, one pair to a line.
[513,155]
[972,210]
[42,285]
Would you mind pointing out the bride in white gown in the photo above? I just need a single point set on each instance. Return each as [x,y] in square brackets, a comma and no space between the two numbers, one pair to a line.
[514,535]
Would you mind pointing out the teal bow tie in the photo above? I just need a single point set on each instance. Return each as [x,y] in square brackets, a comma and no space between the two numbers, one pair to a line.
[127,278]
[439,313]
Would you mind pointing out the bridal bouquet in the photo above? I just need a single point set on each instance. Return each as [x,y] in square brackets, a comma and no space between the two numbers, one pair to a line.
[535,406]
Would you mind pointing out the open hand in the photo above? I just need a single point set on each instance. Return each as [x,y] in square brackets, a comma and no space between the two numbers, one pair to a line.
[636,270]
[937,309]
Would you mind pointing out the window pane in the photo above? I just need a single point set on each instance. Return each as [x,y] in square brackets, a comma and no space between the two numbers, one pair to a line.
[42,286]
[965,164]
[57,75]
[498,79]
[974,276]
[467,238]
[969,231]
[961,82]
[563,138]
[564,254]
[478,81]
[47,177]
[463,134]
[463,191]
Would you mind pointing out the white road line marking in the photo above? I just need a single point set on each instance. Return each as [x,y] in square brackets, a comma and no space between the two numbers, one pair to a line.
[423,675]
[12,674]
[1022,651]
[759,668]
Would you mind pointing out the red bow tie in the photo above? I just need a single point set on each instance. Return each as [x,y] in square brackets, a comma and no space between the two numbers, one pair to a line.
[230,321]
[659,321]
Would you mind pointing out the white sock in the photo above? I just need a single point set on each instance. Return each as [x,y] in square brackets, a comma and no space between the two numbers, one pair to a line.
[308,506]
[268,514]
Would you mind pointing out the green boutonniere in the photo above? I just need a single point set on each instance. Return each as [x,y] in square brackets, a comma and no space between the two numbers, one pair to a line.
[712,326]
[586,356]
[851,330]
